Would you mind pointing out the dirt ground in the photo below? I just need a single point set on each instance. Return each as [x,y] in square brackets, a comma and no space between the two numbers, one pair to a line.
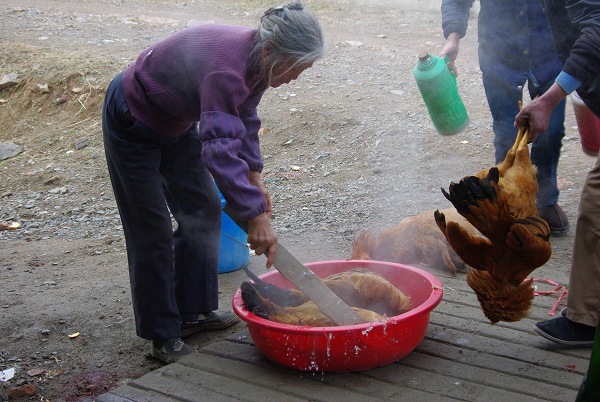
[348,146]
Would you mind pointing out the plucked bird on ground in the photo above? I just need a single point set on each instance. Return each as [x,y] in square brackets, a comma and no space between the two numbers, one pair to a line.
[416,240]
[372,296]
[512,240]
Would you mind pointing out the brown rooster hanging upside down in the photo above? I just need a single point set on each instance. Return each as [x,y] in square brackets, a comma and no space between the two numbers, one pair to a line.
[492,227]
[417,240]
[512,241]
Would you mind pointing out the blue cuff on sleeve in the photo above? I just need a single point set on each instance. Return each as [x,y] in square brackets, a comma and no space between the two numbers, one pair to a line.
[567,82]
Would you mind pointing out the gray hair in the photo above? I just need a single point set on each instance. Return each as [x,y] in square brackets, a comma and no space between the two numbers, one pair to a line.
[293,33]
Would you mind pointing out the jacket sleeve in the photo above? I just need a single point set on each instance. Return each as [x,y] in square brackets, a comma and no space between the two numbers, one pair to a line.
[455,16]
[250,150]
[225,143]
[583,62]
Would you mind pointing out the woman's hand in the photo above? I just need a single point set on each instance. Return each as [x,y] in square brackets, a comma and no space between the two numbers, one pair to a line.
[262,238]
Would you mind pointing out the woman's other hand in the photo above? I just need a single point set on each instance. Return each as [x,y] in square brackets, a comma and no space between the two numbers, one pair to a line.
[262,238]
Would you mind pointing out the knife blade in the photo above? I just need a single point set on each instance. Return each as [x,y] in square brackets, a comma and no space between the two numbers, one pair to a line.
[307,282]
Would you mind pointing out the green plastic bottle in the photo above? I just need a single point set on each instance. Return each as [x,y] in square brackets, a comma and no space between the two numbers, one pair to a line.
[440,93]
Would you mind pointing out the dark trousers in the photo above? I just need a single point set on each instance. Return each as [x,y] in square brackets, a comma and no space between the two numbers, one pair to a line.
[172,273]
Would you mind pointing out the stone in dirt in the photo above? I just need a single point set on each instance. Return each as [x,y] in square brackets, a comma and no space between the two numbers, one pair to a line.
[9,80]
[9,149]
[22,391]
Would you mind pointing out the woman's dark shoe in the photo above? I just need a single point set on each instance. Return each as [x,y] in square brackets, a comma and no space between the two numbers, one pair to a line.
[209,321]
[171,350]
[566,332]
[556,218]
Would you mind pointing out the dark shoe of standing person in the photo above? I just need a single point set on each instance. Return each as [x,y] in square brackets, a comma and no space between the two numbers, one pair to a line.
[209,321]
[171,350]
[566,332]
[556,218]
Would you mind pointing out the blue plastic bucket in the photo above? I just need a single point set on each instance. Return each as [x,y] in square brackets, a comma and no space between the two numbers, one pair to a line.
[234,253]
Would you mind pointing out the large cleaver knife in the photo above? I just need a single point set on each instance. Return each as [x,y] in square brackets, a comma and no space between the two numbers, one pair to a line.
[307,281]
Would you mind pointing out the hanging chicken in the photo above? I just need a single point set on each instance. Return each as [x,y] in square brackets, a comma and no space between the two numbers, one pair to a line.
[512,241]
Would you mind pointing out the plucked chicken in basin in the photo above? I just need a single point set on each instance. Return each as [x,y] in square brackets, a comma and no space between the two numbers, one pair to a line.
[408,292]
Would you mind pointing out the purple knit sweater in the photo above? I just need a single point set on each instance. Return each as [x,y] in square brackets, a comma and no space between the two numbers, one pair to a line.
[202,74]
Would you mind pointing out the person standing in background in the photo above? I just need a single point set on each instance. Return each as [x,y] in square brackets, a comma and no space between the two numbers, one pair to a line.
[515,48]
[576,29]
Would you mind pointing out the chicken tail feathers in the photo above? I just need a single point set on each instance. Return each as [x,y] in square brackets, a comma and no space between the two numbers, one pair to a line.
[446,193]
[494,175]
[471,190]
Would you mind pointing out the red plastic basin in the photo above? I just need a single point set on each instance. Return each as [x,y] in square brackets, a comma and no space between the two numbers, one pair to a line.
[353,347]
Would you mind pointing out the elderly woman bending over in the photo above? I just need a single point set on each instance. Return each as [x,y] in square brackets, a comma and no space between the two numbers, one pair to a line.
[180,116]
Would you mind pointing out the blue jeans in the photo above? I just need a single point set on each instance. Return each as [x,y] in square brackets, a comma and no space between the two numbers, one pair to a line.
[172,273]
[503,95]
